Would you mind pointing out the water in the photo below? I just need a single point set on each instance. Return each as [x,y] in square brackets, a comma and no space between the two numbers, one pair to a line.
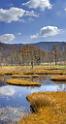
[13,102]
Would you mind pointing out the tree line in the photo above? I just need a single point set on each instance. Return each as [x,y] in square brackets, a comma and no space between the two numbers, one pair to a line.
[33,55]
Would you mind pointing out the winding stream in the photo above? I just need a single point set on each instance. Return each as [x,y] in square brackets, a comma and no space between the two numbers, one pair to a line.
[13,102]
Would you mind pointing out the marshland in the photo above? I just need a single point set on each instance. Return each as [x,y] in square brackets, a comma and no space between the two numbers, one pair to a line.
[29,95]
[32,61]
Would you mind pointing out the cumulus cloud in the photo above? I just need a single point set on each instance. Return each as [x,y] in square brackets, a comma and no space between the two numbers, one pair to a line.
[47,31]
[31,14]
[14,14]
[42,4]
[5,38]
[11,14]
[7,91]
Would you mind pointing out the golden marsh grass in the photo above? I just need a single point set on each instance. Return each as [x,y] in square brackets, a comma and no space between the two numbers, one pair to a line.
[58,78]
[50,106]
[22,82]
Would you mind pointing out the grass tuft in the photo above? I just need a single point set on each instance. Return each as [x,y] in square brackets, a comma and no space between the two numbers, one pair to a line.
[58,78]
[50,106]
[22,82]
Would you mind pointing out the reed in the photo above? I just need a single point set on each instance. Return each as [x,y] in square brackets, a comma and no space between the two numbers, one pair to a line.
[22,82]
[50,106]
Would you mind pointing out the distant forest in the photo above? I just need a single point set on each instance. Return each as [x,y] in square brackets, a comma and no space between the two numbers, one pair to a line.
[18,54]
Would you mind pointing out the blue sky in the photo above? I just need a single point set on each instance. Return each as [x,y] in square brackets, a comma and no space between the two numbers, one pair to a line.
[30,21]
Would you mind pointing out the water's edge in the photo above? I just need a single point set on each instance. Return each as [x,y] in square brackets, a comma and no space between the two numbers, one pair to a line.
[13,102]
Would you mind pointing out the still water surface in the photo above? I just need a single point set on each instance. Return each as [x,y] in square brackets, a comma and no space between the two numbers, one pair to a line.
[13,102]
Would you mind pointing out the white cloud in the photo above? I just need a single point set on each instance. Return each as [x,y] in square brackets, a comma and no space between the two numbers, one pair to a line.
[14,14]
[11,14]
[49,31]
[11,115]
[31,14]
[42,4]
[46,31]
[5,38]
[34,36]
[7,91]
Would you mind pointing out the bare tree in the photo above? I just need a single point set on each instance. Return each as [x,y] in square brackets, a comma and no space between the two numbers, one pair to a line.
[56,54]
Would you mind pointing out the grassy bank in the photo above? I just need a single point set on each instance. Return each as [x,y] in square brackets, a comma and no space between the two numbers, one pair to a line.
[46,72]
[27,70]
[24,72]
[49,108]
[59,78]
[22,82]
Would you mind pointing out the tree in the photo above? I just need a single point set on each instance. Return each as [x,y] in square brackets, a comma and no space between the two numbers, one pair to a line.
[64,54]
[31,55]
[56,53]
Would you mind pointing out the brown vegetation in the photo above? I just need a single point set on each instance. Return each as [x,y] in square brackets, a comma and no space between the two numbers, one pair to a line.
[37,70]
[58,78]
[49,108]
[22,82]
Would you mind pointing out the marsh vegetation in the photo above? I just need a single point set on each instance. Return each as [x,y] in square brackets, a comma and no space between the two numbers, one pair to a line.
[17,83]
[47,108]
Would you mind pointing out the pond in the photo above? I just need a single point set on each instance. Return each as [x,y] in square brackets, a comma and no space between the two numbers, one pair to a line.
[13,102]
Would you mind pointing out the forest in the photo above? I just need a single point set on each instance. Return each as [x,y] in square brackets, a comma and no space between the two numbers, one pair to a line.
[32,53]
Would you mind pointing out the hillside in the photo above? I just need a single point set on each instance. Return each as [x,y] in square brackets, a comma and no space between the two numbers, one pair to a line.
[19,54]
[23,54]
[48,45]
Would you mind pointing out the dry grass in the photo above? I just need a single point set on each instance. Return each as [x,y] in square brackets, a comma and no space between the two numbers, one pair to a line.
[48,72]
[22,82]
[58,78]
[9,70]
[50,108]
[26,70]
[45,72]
[42,70]
[13,70]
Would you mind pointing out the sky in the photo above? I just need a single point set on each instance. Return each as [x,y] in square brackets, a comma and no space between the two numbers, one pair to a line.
[31,21]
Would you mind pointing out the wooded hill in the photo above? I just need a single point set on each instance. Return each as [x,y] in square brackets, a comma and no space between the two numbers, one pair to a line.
[20,54]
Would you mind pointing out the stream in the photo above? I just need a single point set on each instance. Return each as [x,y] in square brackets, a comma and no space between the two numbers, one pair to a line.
[13,102]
